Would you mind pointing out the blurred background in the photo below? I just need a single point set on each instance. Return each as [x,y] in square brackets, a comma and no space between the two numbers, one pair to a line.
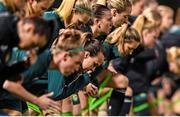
[172,3]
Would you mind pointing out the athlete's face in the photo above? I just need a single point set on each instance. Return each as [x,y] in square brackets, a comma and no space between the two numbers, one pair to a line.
[69,63]
[90,63]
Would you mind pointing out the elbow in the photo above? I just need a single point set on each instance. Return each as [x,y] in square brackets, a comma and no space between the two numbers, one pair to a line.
[12,86]
[7,85]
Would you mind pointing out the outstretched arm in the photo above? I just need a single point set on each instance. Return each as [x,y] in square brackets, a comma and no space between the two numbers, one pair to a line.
[43,101]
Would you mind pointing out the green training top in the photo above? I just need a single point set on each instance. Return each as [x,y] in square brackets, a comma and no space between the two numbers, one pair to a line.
[111,52]
[16,55]
[55,82]
[65,86]
[59,23]
[39,68]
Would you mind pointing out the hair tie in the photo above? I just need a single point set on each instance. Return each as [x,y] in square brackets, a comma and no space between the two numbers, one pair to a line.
[83,10]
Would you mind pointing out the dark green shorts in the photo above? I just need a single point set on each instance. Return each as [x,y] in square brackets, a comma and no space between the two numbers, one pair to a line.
[11,104]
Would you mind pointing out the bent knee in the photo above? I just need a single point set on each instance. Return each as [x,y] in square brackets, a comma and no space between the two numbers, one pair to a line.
[121,81]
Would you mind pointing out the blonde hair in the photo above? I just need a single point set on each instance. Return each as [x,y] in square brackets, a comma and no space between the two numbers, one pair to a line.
[162,9]
[10,3]
[152,15]
[67,6]
[148,20]
[122,35]
[173,55]
[68,39]
[119,5]
[102,2]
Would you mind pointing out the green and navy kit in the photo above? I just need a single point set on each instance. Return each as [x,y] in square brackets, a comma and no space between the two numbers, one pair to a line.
[39,68]
[8,100]
[111,52]
[59,23]
[65,86]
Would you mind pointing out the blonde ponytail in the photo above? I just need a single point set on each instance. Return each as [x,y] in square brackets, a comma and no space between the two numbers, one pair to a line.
[138,25]
[65,9]
[10,4]
[117,35]
[122,35]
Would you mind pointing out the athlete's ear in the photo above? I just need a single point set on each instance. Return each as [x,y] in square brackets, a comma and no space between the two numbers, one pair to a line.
[114,12]
[66,55]
[86,54]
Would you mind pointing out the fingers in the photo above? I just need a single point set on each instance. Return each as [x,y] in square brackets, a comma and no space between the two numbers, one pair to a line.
[52,103]
[91,93]
[111,68]
[49,94]
[48,103]
[55,105]
[93,90]
[94,87]
[96,93]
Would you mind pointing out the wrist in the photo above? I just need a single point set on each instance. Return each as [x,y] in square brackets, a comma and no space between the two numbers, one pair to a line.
[35,100]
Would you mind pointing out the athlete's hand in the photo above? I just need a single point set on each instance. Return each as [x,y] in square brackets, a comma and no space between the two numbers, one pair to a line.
[46,103]
[92,90]
[111,68]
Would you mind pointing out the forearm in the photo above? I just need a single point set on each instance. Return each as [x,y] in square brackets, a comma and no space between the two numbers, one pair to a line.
[43,101]
[20,91]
